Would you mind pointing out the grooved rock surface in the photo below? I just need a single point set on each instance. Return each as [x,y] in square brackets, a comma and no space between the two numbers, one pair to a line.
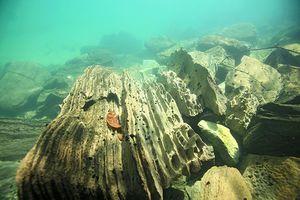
[80,157]
[222,141]
[220,183]
[275,130]
[271,177]
[187,102]
[199,81]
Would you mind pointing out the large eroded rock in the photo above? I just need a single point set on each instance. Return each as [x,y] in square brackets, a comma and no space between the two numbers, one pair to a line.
[115,138]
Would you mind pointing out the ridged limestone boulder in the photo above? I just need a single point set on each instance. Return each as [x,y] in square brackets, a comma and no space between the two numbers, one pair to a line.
[115,138]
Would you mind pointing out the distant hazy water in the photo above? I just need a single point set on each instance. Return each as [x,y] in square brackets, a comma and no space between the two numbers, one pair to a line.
[52,31]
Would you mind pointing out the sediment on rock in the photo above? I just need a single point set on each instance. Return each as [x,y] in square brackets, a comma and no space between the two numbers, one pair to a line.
[81,155]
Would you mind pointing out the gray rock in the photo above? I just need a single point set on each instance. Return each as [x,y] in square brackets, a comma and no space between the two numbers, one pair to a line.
[233,47]
[21,83]
[271,177]
[242,31]
[198,80]
[222,141]
[158,44]
[275,130]
[287,55]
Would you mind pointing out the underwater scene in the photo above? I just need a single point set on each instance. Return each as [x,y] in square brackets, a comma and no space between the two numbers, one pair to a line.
[160,99]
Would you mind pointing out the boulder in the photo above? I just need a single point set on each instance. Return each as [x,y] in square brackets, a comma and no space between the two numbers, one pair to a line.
[198,80]
[158,44]
[21,82]
[222,141]
[291,84]
[236,49]
[187,102]
[220,183]
[242,31]
[260,79]
[275,130]
[115,138]
[271,177]
[213,59]
[287,55]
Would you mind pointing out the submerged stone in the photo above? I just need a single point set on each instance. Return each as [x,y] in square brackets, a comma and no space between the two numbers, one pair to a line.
[152,148]
[222,141]
[220,183]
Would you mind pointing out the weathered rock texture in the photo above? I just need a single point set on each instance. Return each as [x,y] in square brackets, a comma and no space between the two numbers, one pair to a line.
[248,86]
[80,157]
[240,109]
[272,177]
[260,79]
[222,141]
[223,183]
[187,102]
[199,81]
[275,130]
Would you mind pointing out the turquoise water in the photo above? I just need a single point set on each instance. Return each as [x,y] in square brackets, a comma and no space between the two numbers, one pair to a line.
[51,32]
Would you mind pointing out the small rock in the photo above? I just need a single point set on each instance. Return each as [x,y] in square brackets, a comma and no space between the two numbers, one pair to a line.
[222,141]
